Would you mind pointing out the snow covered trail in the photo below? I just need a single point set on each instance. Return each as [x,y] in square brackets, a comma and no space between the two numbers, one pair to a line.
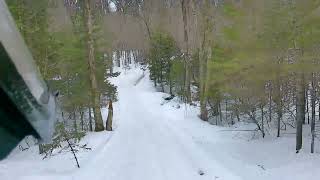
[144,146]
[157,140]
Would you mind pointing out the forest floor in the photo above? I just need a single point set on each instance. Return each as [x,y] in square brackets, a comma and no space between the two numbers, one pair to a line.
[158,140]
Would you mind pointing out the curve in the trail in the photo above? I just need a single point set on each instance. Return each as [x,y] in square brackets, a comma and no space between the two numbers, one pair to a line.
[145,145]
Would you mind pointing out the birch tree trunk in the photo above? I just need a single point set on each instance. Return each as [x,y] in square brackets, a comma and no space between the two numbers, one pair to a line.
[95,95]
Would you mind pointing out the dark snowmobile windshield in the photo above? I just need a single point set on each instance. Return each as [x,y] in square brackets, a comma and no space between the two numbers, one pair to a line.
[27,107]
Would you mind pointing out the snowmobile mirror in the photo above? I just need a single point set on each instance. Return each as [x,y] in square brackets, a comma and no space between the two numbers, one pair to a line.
[27,107]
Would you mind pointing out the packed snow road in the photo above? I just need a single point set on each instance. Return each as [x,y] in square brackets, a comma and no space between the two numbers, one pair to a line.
[145,146]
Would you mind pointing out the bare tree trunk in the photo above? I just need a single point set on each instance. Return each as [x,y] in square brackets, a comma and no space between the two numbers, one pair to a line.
[118,58]
[203,110]
[278,100]
[262,121]
[75,126]
[220,111]
[238,114]
[204,57]
[161,81]
[237,110]
[92,69]
[124,58]
[90,120]
[184,6]
[203,85]
[110,60]
[81,120]
[319,110]
[215,109]
[170,87]
[313,112]
[226,119]
[300,104]
[307,106]
[318,99]
[270,102]
[127,57]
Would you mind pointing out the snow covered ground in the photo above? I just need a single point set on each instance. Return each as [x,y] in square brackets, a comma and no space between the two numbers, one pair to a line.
[153,140]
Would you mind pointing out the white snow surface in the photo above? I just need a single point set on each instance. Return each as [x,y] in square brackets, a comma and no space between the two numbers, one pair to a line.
[155,140]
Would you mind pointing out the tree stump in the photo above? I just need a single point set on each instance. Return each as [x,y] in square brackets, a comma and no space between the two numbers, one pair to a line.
[110,116]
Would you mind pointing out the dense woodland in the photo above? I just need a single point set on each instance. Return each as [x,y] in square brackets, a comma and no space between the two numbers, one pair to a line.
[238,60]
